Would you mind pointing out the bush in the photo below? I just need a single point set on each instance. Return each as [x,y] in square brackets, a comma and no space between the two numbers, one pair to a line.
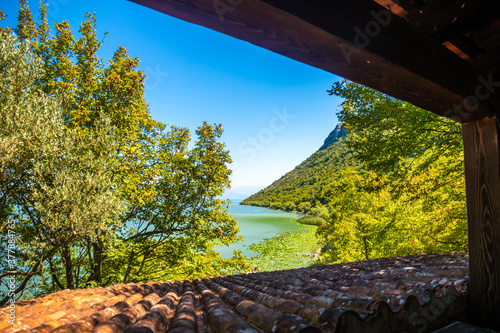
[320,211]
[311,220]
[304,207]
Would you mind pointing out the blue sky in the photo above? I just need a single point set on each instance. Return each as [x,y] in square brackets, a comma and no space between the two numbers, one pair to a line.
[275,111]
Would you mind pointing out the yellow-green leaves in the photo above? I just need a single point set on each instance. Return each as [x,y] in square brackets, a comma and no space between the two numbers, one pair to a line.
[54,182]
[102,193]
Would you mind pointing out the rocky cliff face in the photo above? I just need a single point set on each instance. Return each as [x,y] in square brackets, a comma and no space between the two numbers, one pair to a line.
[338,133]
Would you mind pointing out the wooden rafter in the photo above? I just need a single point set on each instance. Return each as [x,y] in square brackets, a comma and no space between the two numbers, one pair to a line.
[447,19]
[357,39]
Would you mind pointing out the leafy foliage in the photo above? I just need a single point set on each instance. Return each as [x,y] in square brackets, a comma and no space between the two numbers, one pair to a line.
[311,220]
[54,187]
[394,186]
[101,193]
[392,136]
[416,176]
[184,216]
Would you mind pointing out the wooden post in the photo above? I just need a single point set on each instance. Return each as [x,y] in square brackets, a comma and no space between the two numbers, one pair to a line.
[482,174]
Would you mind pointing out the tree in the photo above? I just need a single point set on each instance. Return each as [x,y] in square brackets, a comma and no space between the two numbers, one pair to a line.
[368,221]
[393,187]
[167,192]
[56,182]
[420,152]
[184,216]
[412,200]
[385,132]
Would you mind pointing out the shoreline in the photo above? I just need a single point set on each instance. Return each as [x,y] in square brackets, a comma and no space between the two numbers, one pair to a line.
[279,210]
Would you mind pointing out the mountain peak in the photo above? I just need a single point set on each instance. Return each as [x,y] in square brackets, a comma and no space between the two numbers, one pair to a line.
[338,133]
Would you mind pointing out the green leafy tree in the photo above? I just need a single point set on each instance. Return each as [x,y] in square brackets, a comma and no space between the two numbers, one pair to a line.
[392,136]
[169,214]
[74,73]
[414,201]
[394,186]
[368,220]
[56,183]
[185,216]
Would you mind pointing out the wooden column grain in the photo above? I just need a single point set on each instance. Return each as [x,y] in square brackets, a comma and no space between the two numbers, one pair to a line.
[482,174]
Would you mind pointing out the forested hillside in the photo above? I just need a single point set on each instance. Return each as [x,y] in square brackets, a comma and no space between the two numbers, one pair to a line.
[394,186]
[312,184]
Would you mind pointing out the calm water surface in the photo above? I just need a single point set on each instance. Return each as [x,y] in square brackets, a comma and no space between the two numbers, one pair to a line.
[256,224]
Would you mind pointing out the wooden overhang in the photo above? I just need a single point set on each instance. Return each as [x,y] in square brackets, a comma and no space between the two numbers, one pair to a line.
[440,55]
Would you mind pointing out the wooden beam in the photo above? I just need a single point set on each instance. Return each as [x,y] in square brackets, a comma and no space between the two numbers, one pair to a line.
[482,174]
[447,19]
[357,39]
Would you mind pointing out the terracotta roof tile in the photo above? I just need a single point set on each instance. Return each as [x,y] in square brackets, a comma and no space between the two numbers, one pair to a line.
[415,293]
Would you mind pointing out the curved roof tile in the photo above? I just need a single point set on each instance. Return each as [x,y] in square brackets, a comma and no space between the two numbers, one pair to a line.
[418,293]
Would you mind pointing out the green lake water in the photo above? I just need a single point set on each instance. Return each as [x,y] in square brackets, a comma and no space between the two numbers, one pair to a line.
[257,224]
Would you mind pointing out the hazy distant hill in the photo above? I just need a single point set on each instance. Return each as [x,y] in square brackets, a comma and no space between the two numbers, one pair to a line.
[311,183]
[241,192]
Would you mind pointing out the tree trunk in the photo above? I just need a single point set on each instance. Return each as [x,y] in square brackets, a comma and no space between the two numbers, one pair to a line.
[66,255]
[98,258]
[54,277]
